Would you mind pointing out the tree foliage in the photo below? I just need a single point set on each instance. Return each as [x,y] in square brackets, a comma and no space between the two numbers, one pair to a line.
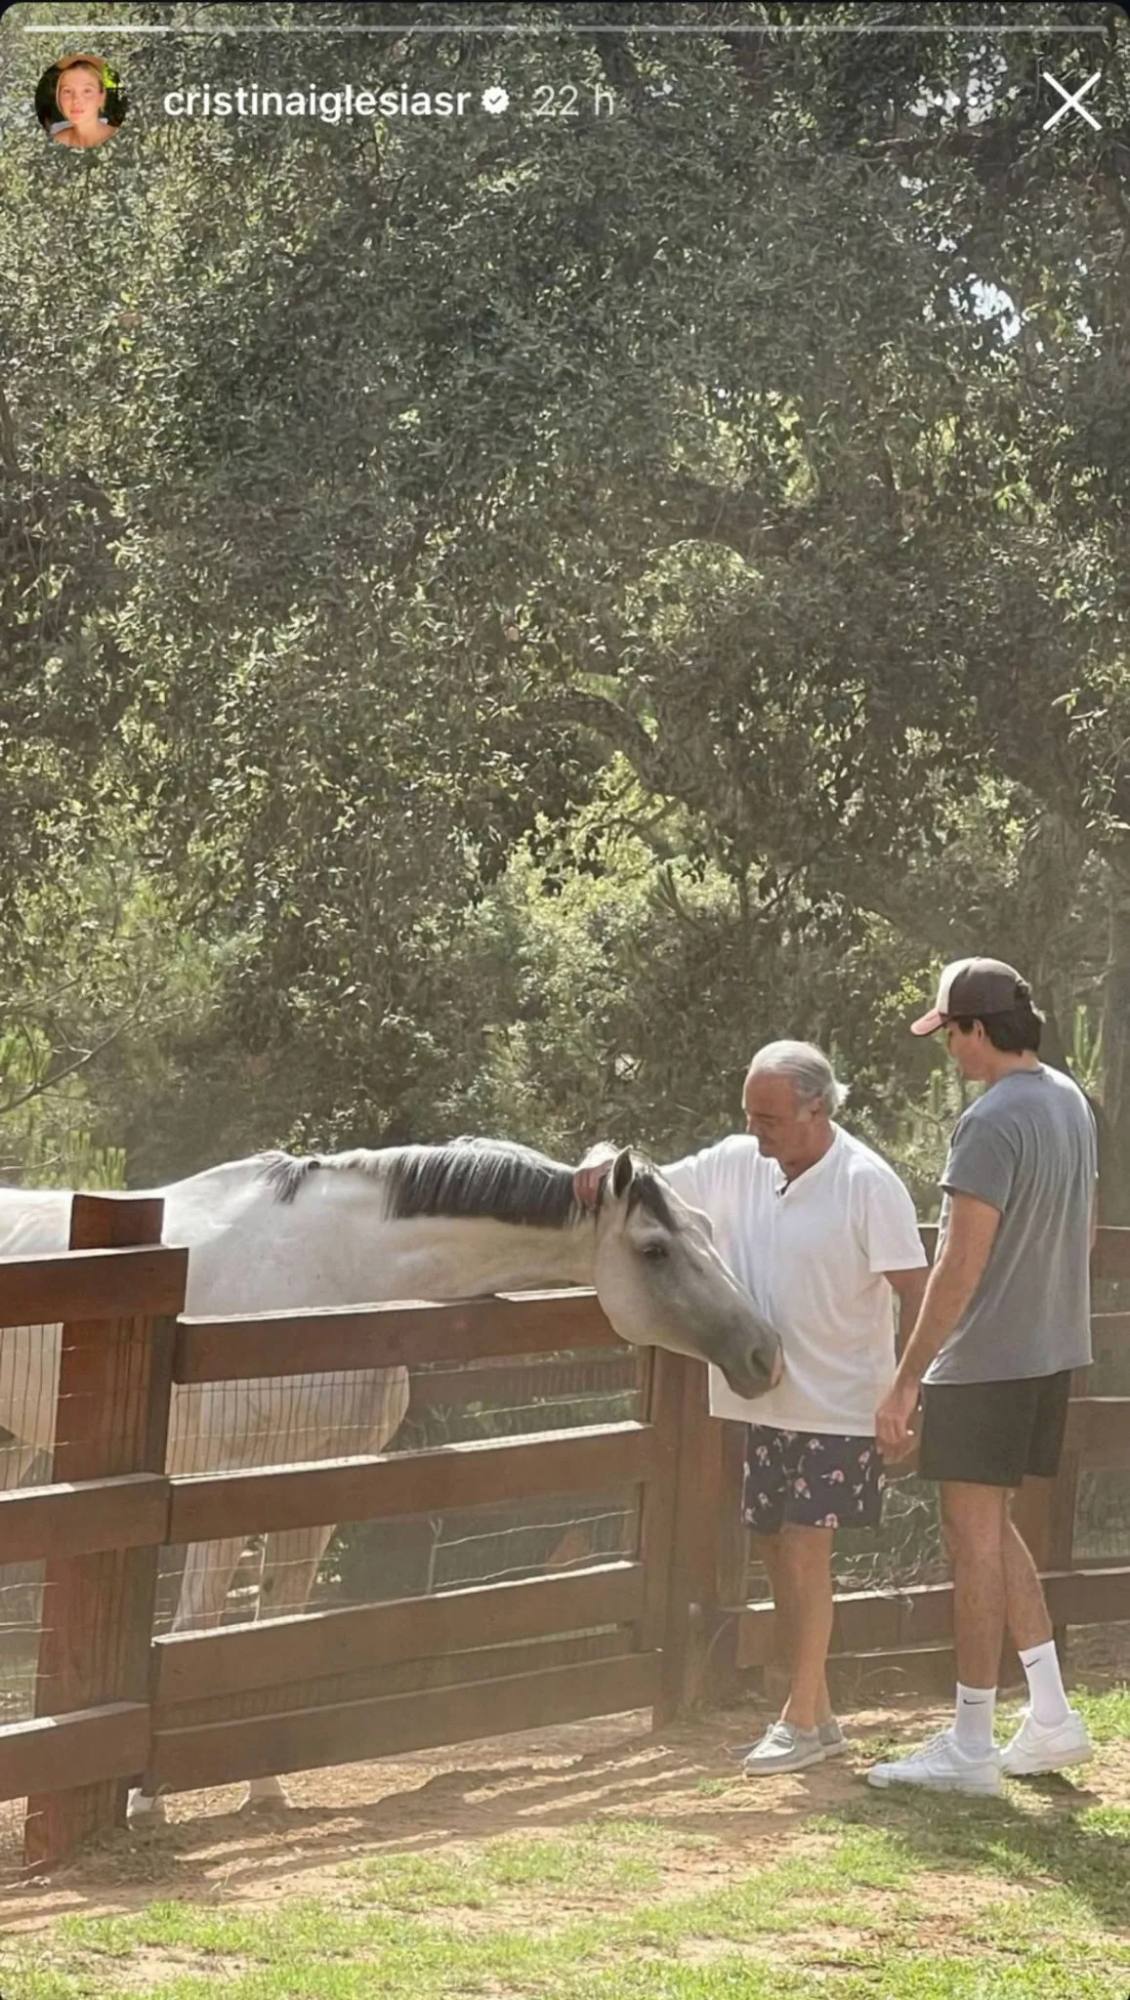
[536,605]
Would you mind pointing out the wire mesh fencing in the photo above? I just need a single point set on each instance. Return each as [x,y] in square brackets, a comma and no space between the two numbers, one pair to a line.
[284,1423]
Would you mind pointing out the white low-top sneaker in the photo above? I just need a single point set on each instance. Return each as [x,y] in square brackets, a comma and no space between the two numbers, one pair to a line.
[942,1766]
[784,1747]
[832,1738]
[1036,1747]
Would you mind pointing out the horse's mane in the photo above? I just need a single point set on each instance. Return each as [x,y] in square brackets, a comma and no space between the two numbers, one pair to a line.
[473,1177]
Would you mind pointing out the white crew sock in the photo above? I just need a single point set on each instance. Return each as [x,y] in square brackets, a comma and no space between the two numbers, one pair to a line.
[973,1720]
[1047,1700]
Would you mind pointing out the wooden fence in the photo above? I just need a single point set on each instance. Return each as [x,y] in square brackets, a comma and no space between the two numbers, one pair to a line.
[195,1709]
[289,1694]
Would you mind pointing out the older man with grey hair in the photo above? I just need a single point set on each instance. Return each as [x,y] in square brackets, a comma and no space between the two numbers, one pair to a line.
[823,1234]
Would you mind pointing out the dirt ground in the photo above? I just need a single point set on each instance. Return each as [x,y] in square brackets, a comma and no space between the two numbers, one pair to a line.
[684,1778]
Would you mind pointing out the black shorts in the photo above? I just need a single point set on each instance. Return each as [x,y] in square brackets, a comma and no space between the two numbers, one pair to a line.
[810,1482]
[992,1433]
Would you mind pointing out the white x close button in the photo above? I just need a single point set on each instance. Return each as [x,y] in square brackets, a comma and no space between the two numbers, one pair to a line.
[1071,100]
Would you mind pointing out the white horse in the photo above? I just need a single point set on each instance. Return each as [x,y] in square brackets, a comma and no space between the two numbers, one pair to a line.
[275,1234]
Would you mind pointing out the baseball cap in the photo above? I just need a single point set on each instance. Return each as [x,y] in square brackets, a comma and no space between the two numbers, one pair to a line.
[972,986]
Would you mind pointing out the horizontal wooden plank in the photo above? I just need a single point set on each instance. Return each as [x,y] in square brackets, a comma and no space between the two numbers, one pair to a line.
[401,1335]
[350,1732]
[55,1752]
[191,1666]
[591,1458]
[1111,1256]
[91,1285]
[405,1677]
[1098,1430]
[874,1621]
[491,1663]
[81,1517]
[1109,1329]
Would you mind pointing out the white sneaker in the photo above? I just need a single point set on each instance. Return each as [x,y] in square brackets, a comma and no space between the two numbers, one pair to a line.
[784,1747]
[1036,1747]
[942,1766]
[832,1738]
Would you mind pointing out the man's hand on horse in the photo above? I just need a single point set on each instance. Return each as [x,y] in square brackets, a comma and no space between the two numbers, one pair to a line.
[587,1178]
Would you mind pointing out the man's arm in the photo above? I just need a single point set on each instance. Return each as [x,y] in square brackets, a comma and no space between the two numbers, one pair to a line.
[909,1288]
[692,1178]
[950,1286]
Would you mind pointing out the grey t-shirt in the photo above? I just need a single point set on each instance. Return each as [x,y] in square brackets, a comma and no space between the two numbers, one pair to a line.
[1027,1147]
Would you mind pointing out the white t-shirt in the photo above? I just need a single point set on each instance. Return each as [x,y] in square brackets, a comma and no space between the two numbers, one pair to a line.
[812,1252]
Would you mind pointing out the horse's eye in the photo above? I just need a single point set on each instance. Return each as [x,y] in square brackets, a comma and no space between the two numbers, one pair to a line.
[656,1251]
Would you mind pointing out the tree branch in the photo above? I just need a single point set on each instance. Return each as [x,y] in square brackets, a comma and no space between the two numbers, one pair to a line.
[47,1083]
[8,453]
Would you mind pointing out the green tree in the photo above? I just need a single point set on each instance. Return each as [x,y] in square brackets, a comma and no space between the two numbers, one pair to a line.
[752,442]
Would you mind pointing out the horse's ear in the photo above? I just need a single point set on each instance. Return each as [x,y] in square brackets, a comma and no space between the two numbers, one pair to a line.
[622,1171]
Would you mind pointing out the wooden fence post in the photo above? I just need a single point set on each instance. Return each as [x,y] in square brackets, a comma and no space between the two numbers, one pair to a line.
[731,1579]
[662,1392]
[692,1511]
[115,1381]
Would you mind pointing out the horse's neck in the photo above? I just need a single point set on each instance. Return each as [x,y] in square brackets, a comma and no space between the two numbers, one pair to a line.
[334,1244]
[451,1257]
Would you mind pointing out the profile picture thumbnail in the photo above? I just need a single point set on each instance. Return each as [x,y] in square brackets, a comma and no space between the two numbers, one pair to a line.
[79,101]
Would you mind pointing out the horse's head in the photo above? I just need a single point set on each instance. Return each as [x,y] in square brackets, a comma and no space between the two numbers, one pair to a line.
[662,1283]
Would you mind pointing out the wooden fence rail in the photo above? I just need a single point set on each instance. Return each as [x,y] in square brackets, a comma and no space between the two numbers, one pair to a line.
[312,1689]
[112,1702]
[386,1336]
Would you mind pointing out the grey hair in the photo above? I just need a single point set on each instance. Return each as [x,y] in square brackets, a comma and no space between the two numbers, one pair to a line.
[808,1070]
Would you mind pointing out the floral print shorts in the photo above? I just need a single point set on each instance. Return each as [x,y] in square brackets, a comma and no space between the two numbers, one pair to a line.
[813,1481]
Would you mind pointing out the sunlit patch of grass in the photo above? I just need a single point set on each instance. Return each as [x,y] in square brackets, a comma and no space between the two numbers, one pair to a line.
[802,1893]
[1020,1838]
[422,1882]
[293,1931]
[30,1982]
[605,1858]
[1044,1975]
[1027,1921]
[1107,1715]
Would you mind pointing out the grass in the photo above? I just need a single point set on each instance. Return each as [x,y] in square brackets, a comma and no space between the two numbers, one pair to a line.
[611,1858]
[1026,1897]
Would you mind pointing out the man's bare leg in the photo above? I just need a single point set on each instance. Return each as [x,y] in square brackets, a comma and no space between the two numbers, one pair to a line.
[974,1520]
[1029,1622]
[767,1549]
[805,1562]
[964,1759]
